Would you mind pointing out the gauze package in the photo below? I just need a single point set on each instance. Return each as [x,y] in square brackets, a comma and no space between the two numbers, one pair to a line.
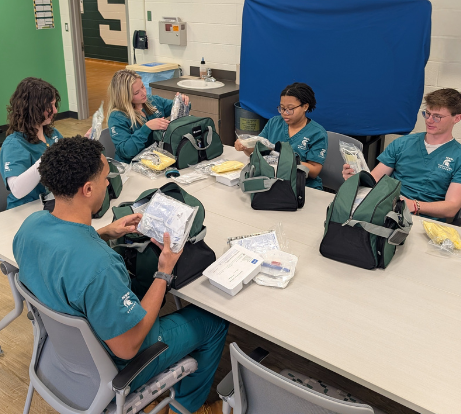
[353,156]
[179,108]
[165,214]
[249,141]
[190,178]
[259,243]
[96,126]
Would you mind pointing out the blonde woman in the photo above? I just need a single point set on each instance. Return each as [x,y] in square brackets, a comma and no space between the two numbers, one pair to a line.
[134,114]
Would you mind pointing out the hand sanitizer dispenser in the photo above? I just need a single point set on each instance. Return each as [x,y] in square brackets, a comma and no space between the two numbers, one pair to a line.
[172,31]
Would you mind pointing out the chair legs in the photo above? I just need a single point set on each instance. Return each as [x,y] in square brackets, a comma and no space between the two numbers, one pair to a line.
[170,400]
[178,303]
[30,394]
[9,271]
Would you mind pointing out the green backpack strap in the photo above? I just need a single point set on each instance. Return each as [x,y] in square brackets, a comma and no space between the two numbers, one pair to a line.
[252,184]
[396,236]
[209,139]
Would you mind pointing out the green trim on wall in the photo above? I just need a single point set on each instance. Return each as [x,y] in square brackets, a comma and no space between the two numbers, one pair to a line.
[26,51]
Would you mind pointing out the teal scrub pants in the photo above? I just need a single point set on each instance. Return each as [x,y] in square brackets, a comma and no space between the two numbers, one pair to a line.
[200,334]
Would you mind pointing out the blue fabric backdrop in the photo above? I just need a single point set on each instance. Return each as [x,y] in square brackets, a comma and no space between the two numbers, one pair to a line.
[364,59]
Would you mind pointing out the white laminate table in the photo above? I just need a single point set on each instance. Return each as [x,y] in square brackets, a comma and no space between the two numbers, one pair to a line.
[396,331]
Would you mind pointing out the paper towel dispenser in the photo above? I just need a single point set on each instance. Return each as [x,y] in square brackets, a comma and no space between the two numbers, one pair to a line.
[172,31]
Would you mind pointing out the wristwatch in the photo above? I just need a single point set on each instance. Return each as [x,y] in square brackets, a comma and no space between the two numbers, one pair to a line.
[166,277]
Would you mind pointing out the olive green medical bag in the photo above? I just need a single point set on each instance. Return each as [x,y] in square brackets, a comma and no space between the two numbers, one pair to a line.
[191,140]
[281,190]
[366,234]
[141,255]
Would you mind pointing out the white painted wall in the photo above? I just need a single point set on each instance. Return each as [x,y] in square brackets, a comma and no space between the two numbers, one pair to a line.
[68,55]
[213,31]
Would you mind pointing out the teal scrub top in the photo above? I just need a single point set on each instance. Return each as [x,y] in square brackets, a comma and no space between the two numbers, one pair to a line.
[130,141]
[311,143]
[424,177]
[16,156]
[70,269]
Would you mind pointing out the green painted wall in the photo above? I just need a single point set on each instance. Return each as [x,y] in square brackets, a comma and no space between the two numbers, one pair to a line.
[26,51]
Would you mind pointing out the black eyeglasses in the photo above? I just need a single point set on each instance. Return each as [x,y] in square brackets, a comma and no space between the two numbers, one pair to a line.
[288,111]
[435,117]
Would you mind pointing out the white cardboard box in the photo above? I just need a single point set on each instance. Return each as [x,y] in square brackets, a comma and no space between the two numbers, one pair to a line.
[234,268]
[230,179]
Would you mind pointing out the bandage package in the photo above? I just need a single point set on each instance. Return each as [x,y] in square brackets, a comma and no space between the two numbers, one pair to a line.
[353,156]
[236,267]
[165,214]
[179,108]
[252,140]
[96,126]
[259,243]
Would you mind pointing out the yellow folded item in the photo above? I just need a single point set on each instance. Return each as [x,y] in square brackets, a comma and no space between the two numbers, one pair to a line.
[438,233]
[159,164]
[227,166]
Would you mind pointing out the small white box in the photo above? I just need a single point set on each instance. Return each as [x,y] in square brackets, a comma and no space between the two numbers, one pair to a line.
[234,268]
[230,179]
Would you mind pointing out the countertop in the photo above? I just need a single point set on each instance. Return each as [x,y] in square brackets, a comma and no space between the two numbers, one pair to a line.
[230,88]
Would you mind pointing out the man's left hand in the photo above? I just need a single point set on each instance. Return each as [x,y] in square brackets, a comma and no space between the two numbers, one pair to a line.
[120,227]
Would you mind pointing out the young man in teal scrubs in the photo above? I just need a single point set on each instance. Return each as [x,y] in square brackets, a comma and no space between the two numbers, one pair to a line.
[68,265]
[428,164]
[307,138]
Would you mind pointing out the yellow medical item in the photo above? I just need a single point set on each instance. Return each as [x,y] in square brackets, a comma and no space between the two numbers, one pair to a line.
[438,233]
[227,166]
[157,161]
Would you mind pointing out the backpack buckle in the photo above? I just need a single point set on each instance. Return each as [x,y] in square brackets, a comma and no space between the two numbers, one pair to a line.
[397,237]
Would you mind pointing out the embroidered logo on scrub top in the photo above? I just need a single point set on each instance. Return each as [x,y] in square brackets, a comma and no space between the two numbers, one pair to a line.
[113,131]
[303,144]
[129,304]
[158,113]
[55,138]
[7,166]
[322,153]
[446,164]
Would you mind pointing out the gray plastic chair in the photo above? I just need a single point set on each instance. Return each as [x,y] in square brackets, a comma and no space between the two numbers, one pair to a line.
[3,195]
[73,372]
[255,389]
[331,173]
[106,140]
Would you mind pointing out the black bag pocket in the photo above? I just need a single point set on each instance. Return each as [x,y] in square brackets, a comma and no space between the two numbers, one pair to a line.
[350,245]
[194,259]
[279,198]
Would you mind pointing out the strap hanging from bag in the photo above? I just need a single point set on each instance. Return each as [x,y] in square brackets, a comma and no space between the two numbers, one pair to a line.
[209,139]
[252,184]
[393,236]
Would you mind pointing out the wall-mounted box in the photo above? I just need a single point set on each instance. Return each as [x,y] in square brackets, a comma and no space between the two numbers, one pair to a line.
[172,31]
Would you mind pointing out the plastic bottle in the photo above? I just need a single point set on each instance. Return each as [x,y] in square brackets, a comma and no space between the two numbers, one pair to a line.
[202,68]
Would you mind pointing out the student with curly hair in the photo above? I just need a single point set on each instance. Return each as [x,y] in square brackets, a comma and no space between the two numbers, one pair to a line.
[307,138]
[98,288]
[31,112]
[133,114]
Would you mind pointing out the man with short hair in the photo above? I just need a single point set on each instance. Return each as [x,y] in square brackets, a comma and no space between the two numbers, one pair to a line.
[428,164]
[68,265]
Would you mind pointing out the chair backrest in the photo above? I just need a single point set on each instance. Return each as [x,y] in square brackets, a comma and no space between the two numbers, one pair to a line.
[3,195]
[331,173]
[260,390]
[106,140]
[70,368]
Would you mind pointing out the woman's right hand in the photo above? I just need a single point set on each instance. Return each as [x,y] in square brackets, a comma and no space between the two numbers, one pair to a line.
[347,171]
[158,123]
[238,145]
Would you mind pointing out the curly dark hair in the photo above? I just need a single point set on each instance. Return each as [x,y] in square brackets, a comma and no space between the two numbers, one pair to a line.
[69,163]
[303,93]
[31,99]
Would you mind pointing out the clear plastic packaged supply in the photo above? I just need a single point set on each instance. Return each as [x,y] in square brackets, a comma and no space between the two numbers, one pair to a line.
[190,178]
[205,166]
[96,126]
[165,214]
[445,240]
[227,166]
[353,156]
[258,243]
[277,269]
[146,171]
[251,141]
[362,192]
[179,108]
[272,158]
[152,161]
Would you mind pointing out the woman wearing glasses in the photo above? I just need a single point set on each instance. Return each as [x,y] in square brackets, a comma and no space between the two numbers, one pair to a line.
[306,137]
[428,164]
